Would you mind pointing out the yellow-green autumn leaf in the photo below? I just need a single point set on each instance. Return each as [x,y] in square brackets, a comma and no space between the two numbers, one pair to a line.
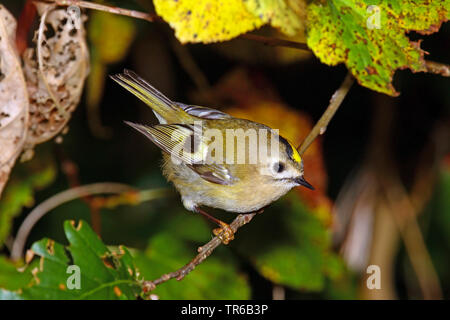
[286,15]
[207,20]
[370,36]
[111,35]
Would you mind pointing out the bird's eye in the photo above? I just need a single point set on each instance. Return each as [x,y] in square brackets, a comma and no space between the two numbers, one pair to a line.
[278,167]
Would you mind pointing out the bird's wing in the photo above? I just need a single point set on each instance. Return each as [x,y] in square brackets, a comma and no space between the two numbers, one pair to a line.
[184,144]
[203,112]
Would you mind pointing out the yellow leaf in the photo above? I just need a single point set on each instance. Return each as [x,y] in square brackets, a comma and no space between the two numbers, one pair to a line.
[207,20]
[287,15]
[111,35]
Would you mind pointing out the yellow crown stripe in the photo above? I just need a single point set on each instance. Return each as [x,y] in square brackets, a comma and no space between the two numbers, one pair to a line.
[295,155]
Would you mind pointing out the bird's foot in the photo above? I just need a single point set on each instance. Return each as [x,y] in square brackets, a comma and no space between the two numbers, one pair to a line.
[225,233]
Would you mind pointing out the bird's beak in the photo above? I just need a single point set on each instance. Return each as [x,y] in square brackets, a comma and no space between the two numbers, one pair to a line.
[302,182]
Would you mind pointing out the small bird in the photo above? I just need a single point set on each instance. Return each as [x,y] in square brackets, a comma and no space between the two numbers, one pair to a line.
[203,161]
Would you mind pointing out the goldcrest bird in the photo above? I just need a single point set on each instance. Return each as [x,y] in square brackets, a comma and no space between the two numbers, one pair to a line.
[206,171]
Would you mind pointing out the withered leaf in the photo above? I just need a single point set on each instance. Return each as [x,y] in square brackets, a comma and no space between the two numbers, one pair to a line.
[55,72]
[13,98]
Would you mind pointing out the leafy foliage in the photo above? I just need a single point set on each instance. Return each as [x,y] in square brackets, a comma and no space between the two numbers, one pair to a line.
[286,15]
[20,190]
[216,278]
[105,274]
[290,246]
[116,274]
[10,277]
[207,20]
[338,33]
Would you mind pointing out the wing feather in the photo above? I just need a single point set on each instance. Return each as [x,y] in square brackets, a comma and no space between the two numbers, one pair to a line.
[185,144]
[203,112]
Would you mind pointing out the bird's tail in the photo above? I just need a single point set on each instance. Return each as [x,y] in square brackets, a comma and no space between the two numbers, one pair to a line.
[165,110]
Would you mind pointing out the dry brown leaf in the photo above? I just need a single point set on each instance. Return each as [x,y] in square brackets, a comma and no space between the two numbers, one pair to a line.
[13,98]
[55,72]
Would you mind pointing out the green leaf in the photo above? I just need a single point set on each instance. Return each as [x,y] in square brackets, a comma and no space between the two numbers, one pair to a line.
[104,274]
[290,246]
[111,35]
[10,277]
[216,278]
[20,191]
[341,31]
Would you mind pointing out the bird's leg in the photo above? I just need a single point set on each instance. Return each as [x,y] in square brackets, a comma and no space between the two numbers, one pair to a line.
[225,233]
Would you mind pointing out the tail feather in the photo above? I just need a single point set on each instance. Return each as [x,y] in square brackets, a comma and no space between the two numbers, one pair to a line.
[165,109]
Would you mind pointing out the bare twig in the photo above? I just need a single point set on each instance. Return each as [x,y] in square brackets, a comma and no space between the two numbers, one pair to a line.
[322,124]
[438,68]
[278,292]
[203,253]
[151,17]
[69,195]
[275,42]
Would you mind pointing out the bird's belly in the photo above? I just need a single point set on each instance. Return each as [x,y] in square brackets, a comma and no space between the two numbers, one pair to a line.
[196,191]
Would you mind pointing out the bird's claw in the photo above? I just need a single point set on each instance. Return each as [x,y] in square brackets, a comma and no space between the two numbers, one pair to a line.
[225,233]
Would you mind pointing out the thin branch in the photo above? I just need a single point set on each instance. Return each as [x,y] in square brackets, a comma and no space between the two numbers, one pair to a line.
[278,292]
[151,17]
[203,253]
[438,68]
[275,42]
[322,124]
[68,195]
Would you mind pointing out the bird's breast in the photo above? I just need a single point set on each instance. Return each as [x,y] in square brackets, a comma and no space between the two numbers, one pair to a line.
[246,195]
